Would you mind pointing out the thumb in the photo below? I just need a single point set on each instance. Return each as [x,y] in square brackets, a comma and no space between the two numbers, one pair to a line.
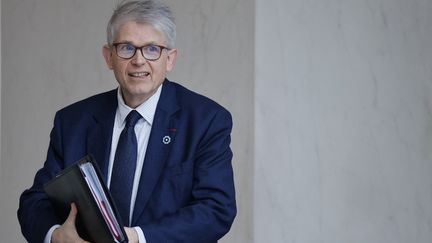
[72,215]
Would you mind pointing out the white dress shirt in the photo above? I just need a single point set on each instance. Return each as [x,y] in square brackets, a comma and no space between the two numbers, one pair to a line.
[142,131]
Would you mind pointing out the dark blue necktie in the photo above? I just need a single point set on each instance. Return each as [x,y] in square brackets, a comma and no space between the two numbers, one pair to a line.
[124,167]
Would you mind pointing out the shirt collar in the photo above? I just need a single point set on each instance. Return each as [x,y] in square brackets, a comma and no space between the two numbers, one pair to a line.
[147,109]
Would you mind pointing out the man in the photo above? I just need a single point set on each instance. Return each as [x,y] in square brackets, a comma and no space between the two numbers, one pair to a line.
[182,187]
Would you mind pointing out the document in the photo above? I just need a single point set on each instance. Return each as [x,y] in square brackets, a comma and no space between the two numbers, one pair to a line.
[97,219]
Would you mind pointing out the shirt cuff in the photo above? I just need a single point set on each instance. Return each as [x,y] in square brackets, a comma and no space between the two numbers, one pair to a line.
[49,234]
[141,238]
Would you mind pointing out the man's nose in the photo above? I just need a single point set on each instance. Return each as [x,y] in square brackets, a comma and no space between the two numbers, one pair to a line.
[138,58]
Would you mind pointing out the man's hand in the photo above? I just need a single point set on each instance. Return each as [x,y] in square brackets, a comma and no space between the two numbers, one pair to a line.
[67,231]
[131,234]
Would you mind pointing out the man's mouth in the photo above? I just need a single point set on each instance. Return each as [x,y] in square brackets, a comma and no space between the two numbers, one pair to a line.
[139,74]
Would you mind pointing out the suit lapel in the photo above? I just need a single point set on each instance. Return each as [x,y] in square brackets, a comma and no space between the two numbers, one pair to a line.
[100,135]
[159,146]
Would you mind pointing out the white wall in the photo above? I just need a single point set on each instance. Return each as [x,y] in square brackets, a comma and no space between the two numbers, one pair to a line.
[52,57]
[343,121]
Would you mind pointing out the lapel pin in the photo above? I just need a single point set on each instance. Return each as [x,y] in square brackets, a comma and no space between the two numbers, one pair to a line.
[166,139]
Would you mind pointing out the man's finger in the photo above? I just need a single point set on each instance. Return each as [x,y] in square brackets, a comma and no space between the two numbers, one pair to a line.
[72,215]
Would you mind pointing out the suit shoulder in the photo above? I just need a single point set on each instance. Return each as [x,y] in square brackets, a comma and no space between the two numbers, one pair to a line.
[90,105]
[191,100]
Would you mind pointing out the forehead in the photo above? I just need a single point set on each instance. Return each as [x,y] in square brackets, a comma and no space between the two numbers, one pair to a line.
[138,33]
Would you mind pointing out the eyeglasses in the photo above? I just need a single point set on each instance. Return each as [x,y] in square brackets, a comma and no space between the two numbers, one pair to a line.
[150,52]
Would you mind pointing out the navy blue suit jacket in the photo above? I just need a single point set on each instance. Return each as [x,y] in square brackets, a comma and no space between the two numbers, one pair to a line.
[186,190]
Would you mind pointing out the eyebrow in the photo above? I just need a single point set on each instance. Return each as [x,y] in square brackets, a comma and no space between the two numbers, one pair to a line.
[131,43]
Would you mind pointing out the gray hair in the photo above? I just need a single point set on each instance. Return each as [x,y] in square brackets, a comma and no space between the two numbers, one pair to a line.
[151,12]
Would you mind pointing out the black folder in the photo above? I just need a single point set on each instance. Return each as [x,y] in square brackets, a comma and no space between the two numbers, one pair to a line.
[98,220]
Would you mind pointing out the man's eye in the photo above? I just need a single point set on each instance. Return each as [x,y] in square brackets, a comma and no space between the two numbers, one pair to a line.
[152,48]
[127,47]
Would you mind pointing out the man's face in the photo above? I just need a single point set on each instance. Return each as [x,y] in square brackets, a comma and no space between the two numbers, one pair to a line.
[139,78]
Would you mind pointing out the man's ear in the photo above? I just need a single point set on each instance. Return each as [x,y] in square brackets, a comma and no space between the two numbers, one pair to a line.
[171,59]
[107,53]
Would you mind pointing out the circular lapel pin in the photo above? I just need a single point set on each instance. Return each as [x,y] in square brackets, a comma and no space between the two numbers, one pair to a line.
[166,140]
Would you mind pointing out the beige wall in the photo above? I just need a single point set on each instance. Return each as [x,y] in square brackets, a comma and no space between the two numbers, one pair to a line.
[52,57]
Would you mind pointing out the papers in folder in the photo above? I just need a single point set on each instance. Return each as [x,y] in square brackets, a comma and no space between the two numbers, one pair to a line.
[102,201]
[81,183]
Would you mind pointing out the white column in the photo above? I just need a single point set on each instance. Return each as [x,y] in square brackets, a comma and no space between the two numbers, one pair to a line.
[343,114]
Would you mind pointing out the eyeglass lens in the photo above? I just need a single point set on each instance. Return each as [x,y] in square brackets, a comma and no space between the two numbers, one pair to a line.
[150,52]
